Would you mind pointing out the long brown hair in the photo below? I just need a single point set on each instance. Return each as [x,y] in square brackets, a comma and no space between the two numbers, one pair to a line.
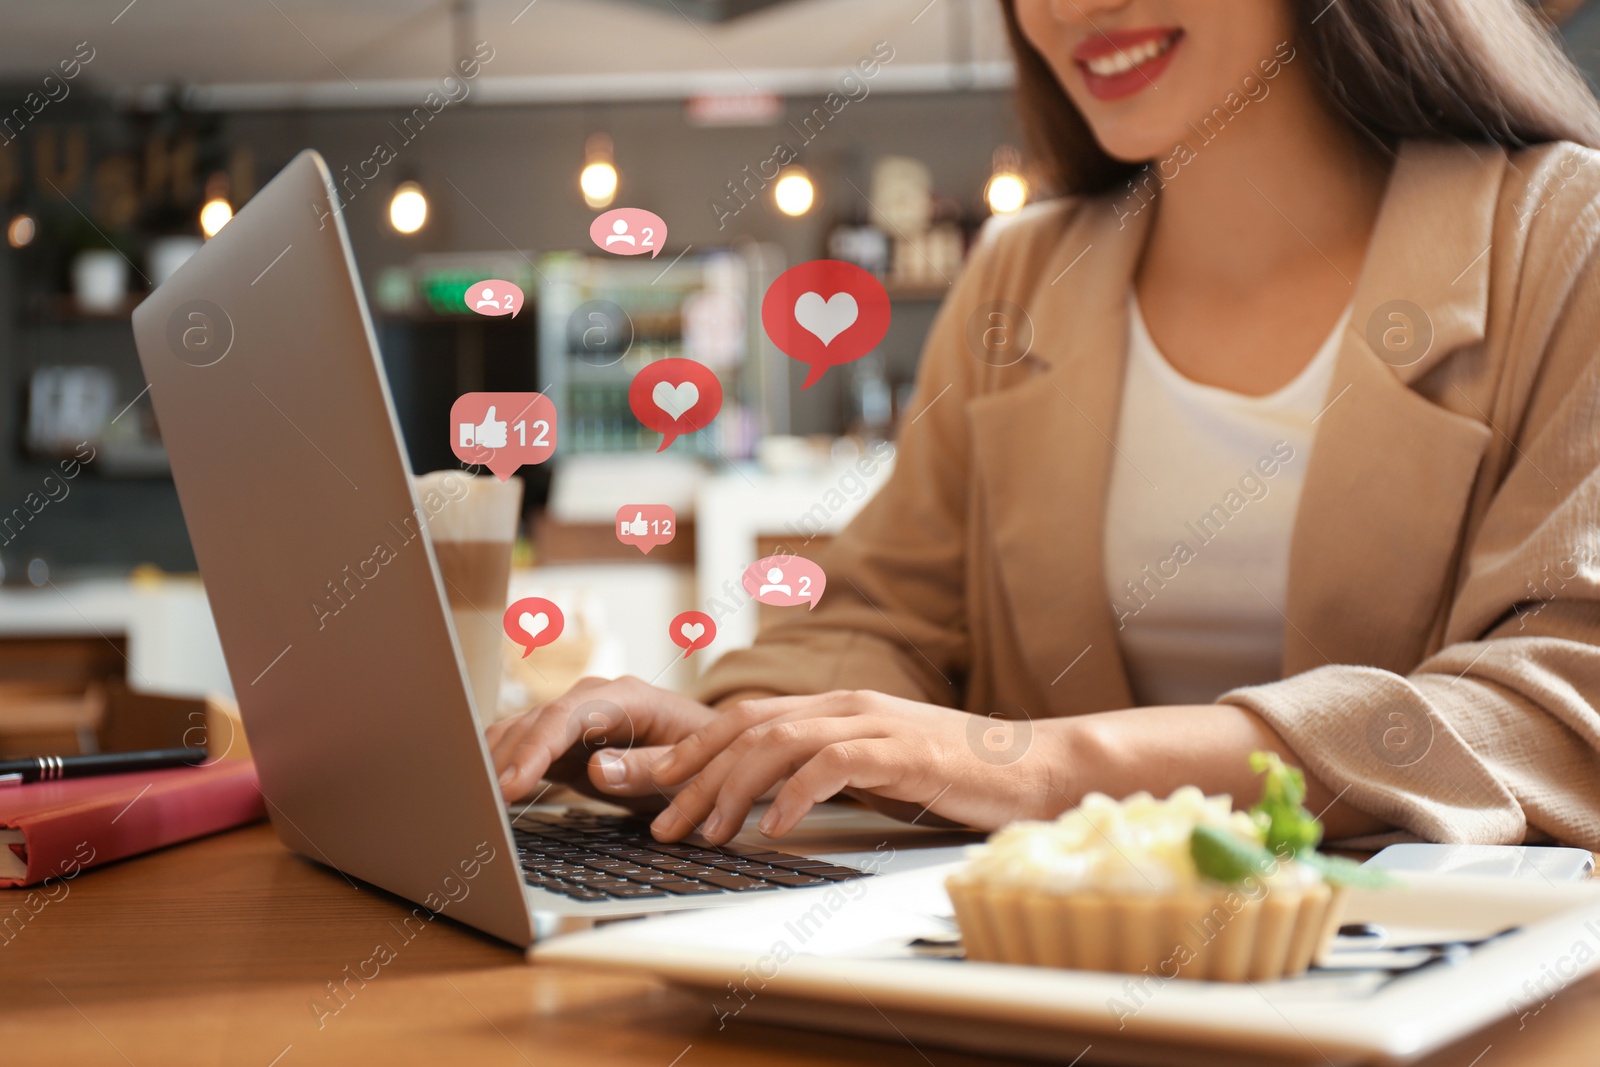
[1467,70]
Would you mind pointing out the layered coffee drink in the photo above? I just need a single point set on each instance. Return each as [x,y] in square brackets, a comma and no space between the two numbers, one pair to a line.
[472,521]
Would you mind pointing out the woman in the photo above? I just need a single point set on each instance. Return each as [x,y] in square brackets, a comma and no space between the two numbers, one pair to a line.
[1302,457]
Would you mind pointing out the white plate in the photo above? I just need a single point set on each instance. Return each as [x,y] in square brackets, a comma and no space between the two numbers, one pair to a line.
[838,958]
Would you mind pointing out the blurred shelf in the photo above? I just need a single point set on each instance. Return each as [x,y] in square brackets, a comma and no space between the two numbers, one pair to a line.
[634,314]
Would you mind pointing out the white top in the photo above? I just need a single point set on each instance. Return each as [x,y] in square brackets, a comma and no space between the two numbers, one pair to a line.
[1204,488]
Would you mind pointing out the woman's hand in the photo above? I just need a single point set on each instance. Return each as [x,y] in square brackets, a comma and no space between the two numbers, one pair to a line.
[898,752]
[599,737]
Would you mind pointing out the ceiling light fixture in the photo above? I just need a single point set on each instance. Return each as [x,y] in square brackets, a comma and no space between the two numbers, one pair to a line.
[21,231]
[1007,189]
[598,180]
[216,210]
[408,208]
[214,216]
[794,194]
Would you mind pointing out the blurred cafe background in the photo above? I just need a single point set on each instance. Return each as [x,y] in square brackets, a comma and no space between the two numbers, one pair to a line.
[765,132]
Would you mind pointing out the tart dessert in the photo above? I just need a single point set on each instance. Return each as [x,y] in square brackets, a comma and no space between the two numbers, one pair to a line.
[1184,886]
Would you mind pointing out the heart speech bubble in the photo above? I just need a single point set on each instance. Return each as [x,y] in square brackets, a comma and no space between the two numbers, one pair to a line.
[691,630]
[503,431]
[644,526]
[784,581]
[824,313]
[675,396]
[629,231]
[493,296]
[532,622]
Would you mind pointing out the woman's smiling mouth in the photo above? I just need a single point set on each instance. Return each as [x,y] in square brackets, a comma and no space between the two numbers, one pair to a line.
[1122,62]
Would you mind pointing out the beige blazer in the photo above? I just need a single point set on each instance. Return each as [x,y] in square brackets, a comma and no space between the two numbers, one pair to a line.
[1440,663]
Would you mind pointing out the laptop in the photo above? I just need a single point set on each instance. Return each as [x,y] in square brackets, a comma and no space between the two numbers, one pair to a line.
[266,381]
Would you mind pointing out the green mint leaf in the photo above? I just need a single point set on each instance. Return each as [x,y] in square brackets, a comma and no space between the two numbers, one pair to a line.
[1287,826]
[1223,856]
[1336,870]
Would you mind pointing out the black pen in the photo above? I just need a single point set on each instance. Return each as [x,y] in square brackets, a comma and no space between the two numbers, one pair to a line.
[52,768]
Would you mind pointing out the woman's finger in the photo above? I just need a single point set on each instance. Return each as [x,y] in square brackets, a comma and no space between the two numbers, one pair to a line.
[866,763]
[719,797]
[625,772]
[529,743]
[616,713]
[697,796]
[691,755]
[504,736]
[523,755]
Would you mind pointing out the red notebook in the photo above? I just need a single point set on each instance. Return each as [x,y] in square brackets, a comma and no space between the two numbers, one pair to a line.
[56,829]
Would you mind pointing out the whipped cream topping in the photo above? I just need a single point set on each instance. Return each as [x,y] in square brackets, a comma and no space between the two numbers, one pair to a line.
[1136,845]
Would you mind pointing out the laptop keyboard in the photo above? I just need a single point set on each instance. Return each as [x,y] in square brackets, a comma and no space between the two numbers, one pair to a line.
[588,856]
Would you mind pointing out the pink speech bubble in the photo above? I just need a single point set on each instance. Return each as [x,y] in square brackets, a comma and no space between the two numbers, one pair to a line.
[675,396]
[690,630]
[503,431]
[629,231]
[532,622]
[494,296]
[784,581]
[824,313]
[644,526]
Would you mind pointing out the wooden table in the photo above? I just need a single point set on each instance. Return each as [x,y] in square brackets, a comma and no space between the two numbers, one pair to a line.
[215,953]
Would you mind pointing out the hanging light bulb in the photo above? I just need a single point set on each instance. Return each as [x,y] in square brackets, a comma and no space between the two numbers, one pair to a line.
[216,211]
[1007,189]
[408,207]
[598,180]
[20,233]
[214,216]
[794,194]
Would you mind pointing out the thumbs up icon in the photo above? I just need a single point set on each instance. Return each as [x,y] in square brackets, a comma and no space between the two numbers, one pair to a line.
[651,525]
[491,432]
[482,437]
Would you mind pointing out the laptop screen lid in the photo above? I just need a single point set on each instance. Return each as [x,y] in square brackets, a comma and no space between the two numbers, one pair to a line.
[265,378]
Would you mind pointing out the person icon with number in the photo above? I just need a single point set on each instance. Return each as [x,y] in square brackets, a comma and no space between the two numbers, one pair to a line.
[619,234]
[486,298]
[774,580]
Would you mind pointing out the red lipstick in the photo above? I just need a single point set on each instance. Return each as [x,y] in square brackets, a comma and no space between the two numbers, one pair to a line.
[1121,62]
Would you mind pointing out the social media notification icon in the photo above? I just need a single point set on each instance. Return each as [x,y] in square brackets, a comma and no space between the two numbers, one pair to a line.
[691,630]
[824,313]
[629,231]
[675,396]
[784,581]
[532,622]
[644,526]
[494,297]
[503,431]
